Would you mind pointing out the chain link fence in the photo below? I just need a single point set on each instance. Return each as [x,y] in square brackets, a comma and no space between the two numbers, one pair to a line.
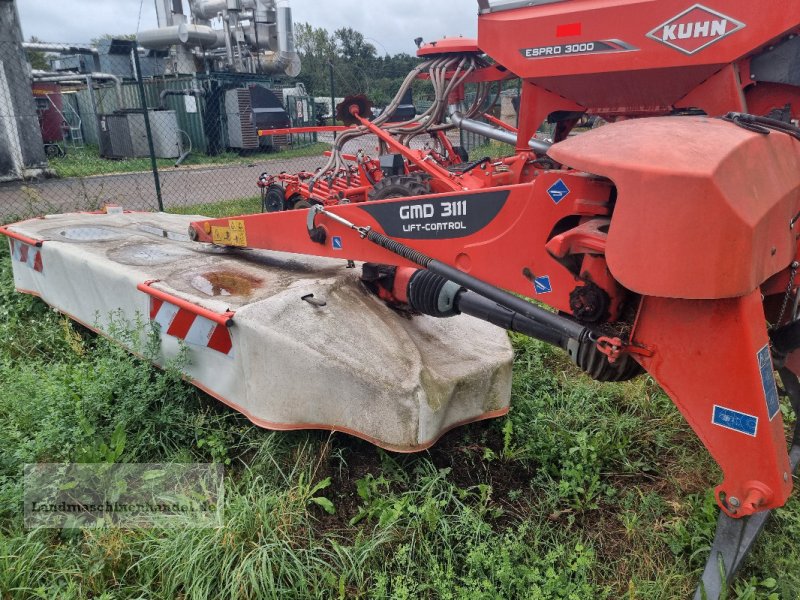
[104,125]
[74,137]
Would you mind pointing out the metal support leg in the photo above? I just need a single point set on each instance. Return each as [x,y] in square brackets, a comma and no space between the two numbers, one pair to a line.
[735,538]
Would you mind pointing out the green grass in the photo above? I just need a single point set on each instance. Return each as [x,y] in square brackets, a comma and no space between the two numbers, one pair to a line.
[86,162]
[585,491]
[491,149]
[224,208]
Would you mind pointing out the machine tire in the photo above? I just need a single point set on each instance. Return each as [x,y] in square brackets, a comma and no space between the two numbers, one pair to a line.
[595,364]
[301,204]
[54,151]
[292,200]
[401,186]
[273,199]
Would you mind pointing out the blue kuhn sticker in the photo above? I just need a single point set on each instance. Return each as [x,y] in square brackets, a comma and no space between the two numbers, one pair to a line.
[558,191]
[336,242]
[768,382]
[735,420]
[542,285]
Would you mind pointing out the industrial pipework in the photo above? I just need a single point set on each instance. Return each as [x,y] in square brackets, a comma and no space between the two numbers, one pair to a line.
[61,77]
[495,133]
[252,36]
[60,48]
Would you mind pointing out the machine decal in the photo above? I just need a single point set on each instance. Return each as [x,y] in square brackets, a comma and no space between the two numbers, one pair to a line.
[768,382]
[336,243]
[28,255]
[735,420]
[577,49]
[542,285]
[442,218]
[232,235]
[558,191]
[694,29]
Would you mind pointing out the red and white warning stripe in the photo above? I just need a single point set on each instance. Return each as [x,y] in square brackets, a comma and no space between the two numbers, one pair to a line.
[191,327]
[186,321]
[27,254]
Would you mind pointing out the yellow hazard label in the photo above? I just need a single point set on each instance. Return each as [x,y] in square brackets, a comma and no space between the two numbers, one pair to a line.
[232,235]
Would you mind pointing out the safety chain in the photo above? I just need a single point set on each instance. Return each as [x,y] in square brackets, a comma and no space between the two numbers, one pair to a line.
[795,265]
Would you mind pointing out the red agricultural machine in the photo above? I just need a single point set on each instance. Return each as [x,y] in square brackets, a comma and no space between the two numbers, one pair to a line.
[397,169]
[665,242]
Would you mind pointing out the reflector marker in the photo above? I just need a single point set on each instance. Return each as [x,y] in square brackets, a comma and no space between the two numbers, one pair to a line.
[569,29]
[193,324]
[190,327]
[27,254]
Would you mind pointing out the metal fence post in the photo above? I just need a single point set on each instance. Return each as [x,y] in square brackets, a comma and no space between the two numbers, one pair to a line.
[333,97]
[147,128]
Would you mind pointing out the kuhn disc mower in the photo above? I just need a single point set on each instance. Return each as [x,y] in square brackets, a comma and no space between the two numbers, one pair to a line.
[666,241]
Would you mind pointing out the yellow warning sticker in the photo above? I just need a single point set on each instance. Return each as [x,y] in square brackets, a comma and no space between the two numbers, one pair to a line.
[238,235]
[233,235]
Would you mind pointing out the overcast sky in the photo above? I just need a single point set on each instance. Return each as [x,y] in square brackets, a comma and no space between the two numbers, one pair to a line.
[392,25]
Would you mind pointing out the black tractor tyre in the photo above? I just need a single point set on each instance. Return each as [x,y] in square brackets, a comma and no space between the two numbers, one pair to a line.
[274,199]
[292,200]
[595,364]
[401,186]
[301,204]
[54,151]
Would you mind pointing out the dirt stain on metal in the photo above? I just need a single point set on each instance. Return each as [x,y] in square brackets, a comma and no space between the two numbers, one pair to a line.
[226,283]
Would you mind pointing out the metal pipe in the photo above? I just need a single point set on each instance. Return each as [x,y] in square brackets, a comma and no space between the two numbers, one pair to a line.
[54,76]
[493,6]
[162,97]
[39,73]
[228,46]
[286,58]
[64,81]
[495,133]
[262,26]
[209,9]
[164,13]
[148,129]
[60,48]
[182,34]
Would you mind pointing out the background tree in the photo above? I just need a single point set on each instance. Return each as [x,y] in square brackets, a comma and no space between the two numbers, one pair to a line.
[37,58]
[316,48]
[356,65]
[111,36]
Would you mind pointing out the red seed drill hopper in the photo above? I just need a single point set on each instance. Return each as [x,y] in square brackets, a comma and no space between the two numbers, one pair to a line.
[665,241]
